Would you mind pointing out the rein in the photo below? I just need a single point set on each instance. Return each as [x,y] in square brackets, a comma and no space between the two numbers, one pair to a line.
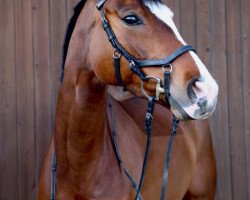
[148,123]
[135,66]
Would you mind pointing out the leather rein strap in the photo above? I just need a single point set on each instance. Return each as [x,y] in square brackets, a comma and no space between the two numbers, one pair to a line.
[53,176]
[135,66]
[148,122]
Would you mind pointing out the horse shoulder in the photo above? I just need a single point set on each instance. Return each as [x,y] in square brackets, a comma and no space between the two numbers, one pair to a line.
[203,182]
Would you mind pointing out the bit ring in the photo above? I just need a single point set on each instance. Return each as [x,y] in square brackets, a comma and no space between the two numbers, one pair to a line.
[117,54]
[168,65]
[148,78]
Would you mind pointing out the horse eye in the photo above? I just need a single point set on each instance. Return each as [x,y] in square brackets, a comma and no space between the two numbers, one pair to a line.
[132,20]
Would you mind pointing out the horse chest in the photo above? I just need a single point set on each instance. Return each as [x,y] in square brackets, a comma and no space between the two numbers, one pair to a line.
[132,139]
[113,183]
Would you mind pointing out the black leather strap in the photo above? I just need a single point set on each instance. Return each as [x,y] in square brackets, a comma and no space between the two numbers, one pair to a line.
[118,72]
[53,176]
[175,125]
[117,150]
[148,123]
[136,70]
[113,40]
[167,86]
[169,59]
[100,4]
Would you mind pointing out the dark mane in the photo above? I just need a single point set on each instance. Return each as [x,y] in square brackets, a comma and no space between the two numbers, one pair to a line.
[70,29]
[71,26]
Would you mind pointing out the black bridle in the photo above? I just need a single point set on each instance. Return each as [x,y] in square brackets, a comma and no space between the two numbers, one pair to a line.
[135,66]
[134,63]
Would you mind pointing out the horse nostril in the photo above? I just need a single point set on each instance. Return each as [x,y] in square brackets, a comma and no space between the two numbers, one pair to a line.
[196,89]
[190,91]
[200,89]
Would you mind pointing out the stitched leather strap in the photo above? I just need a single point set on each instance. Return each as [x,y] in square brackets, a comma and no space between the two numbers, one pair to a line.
[175,125]
[167,86]
[100,4]
[118,72]
[53,176]
[117,150]
[169,59]
[148,123]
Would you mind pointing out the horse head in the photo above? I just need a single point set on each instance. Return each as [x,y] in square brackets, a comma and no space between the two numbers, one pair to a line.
[146,32]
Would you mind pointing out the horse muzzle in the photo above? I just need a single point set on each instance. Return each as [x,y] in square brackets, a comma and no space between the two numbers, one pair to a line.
[198,102]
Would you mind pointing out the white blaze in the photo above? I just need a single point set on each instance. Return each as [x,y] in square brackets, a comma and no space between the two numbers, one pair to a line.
[162,12]
[166,15]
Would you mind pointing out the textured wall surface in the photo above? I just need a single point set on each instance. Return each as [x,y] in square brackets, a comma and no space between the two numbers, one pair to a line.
[31,37]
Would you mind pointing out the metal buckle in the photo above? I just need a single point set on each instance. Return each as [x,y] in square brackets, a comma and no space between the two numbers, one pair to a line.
[158,90]
[168,65]
[131,64]
[117,54]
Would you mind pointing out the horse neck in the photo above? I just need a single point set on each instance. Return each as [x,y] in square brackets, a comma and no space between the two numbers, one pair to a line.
[80,117]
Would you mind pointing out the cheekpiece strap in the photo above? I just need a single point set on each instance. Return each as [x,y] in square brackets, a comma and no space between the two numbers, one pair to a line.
[135,69]
[149,114]
[100,4]
[118,72]
[167,85]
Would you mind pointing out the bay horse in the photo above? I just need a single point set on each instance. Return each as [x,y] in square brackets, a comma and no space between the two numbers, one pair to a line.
[134,44]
